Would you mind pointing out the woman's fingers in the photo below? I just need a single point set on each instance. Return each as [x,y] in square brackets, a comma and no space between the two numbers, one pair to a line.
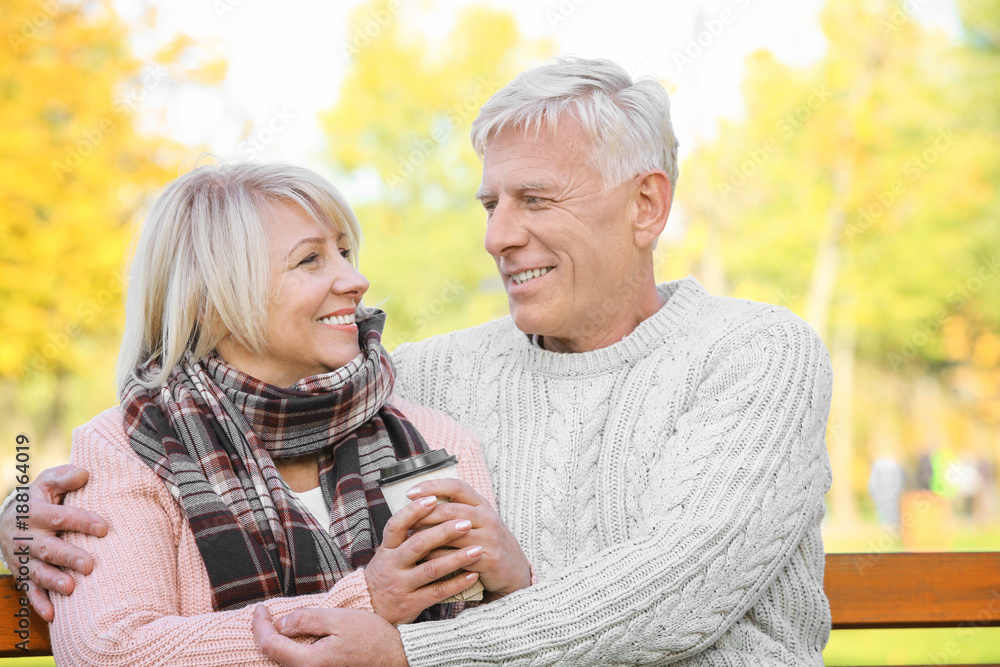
[402,522]
[418,545]
[503,567]
[444,589]
[432,570]
[401,586]
[439,553]
[455,490]
[449,511]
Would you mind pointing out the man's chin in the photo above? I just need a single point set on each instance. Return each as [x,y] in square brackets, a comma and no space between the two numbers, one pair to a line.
[531,323]
[526,322]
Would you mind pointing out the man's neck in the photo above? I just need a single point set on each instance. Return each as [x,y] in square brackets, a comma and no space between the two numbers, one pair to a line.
[620,327]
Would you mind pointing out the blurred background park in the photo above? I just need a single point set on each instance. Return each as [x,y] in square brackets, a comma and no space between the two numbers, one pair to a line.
[840,158]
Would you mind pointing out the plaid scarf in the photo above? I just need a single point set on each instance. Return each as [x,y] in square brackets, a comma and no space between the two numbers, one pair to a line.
[211,433]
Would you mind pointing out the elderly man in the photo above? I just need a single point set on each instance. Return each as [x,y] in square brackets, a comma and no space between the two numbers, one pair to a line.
[658,451]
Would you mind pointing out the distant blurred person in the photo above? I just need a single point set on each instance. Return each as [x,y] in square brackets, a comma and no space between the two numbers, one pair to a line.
[985,501]
[967,483]
[885,485]
[925,472]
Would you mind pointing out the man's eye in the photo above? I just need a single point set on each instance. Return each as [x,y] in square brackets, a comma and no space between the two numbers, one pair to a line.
[531,200]
[489,206]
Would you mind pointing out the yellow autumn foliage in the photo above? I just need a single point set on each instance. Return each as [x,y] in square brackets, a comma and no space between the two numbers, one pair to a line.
[74,169]
[399,133]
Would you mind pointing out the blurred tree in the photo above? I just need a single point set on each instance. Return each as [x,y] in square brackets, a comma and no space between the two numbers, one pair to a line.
[74,167]
[855,192]
[974,364]
[399,140]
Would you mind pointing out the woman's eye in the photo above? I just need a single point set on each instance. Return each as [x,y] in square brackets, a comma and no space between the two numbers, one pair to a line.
[346,254]
[311,258]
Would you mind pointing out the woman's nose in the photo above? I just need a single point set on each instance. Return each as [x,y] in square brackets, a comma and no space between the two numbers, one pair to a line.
[350,282]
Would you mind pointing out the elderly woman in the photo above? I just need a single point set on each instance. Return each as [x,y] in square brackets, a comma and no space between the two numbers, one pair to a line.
[256,413]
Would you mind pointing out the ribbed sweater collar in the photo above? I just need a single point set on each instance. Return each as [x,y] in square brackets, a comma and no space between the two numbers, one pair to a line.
[683,300]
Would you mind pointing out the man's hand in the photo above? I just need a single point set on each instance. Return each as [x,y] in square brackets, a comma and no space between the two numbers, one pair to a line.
[346,637]
[503,567]
[399,584]
[46,516]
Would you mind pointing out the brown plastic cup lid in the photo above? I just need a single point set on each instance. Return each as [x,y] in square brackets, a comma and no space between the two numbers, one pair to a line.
[416,465]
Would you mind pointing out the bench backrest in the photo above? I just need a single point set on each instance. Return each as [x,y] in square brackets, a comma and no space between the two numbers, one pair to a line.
[913,590]
[892,590]
[13,620]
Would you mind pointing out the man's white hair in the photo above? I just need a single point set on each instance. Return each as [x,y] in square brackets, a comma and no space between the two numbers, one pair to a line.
[628,121]
[201,266]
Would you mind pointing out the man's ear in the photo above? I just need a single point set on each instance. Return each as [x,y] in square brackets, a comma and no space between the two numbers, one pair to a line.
[654,193]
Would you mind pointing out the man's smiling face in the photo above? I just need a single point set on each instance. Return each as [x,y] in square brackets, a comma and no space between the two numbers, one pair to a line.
[563,244]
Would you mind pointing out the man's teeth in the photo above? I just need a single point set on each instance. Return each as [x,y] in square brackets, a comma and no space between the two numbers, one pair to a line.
[338,319]
[525,276]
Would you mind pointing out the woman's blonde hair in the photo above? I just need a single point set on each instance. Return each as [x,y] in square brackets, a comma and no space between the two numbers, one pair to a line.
[200,267]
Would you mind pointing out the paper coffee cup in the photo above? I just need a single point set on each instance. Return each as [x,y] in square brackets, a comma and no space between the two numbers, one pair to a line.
[398,478]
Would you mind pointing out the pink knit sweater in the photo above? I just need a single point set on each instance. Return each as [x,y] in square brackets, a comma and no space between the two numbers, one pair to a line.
[148,600]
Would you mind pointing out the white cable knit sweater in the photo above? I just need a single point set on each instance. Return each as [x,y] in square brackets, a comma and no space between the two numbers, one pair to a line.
[668,488]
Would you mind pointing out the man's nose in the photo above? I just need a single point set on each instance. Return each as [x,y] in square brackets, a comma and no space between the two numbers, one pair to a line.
[505,230]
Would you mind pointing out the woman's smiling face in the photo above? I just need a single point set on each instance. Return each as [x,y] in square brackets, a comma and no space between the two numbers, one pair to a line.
[310,314]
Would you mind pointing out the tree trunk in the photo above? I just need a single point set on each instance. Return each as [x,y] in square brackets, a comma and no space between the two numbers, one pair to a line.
[844,505]
[824,275]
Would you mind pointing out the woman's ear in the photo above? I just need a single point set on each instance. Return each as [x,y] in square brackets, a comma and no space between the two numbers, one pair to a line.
[654,193]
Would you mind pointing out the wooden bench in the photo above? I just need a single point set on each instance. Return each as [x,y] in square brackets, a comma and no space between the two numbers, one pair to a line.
[893,590]
[914,590]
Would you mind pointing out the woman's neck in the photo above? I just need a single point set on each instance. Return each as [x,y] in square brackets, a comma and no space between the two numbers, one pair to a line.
[301,473]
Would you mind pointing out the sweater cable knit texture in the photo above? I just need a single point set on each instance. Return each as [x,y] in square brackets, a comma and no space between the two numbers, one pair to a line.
[667,488]
[149,600]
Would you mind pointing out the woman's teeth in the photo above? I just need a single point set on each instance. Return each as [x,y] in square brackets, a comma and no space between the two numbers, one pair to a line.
[525,276]
[338,319]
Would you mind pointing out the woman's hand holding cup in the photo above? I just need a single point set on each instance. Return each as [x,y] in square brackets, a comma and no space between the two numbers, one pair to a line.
[399,584]
[503,568]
